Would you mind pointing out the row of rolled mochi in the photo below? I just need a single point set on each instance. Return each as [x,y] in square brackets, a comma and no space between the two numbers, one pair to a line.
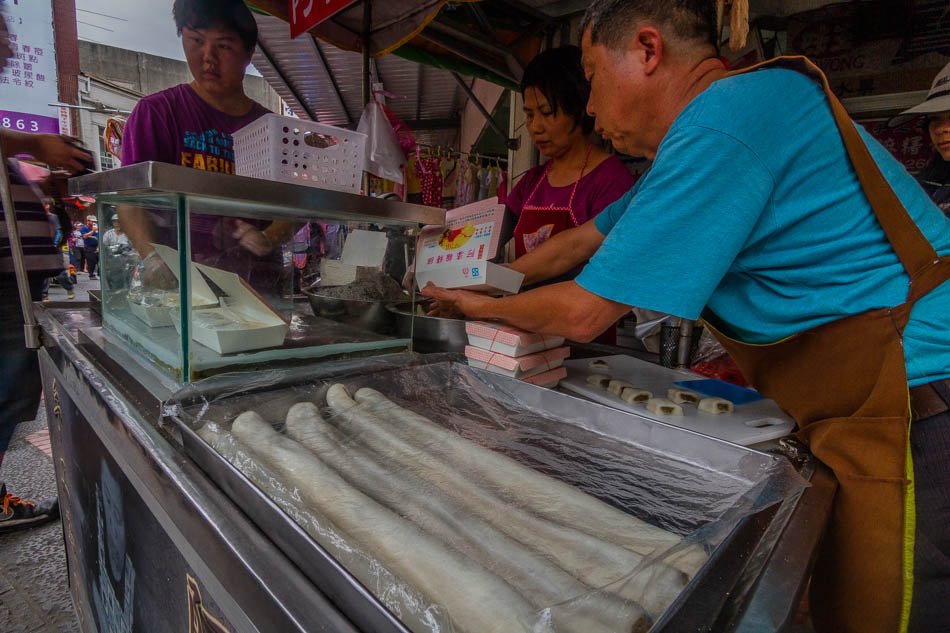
[670,405]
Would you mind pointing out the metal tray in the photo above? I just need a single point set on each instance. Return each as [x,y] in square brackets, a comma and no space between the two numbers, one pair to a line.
[699,606]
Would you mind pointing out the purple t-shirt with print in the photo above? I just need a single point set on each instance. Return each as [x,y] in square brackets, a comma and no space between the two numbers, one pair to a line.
[177,126]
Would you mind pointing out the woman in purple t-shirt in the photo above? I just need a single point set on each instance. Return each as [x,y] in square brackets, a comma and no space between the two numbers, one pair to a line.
[579,179]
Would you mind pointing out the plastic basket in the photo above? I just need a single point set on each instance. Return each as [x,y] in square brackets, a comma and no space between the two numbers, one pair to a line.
[300,152]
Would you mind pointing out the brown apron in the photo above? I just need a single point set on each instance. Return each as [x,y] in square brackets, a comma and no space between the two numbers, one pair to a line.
[845,384]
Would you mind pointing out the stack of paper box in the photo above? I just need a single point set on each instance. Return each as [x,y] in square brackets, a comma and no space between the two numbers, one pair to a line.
[533,358]
[459,254]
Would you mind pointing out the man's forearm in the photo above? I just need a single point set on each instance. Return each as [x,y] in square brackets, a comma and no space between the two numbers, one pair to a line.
[563,309]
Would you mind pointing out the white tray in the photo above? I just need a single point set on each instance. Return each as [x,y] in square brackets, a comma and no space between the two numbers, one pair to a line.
[750,423]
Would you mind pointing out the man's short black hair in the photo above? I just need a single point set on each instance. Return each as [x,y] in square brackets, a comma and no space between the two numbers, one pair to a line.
[557,73]
[612,22]
[223,14]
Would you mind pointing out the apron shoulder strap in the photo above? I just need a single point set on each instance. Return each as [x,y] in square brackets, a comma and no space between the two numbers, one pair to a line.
[913,250]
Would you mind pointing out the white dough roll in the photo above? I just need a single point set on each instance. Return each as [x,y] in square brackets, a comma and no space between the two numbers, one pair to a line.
[475,599]
[543,583]
[566,512]
[596,562]
[545,496]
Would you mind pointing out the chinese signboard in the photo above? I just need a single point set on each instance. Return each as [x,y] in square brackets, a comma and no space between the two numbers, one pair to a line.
[28,82]
[910,143]
[306,14]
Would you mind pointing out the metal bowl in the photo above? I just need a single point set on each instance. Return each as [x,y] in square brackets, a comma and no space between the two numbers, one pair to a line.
[429,334]
[366,315]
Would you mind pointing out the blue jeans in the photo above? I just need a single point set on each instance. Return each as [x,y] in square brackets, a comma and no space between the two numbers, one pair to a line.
[20,384]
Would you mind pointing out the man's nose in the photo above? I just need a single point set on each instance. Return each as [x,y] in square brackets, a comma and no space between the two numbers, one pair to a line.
[590,105]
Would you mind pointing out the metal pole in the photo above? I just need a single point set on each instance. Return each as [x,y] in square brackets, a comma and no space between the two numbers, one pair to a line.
[510,143]
[31,331]
[367,27]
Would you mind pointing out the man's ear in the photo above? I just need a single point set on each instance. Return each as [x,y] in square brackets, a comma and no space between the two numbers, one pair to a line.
[649,43]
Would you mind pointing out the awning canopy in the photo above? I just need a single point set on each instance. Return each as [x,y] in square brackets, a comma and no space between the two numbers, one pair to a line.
[435,43]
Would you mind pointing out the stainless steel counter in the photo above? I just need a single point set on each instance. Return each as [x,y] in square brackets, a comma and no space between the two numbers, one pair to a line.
[256,197]
[153,540]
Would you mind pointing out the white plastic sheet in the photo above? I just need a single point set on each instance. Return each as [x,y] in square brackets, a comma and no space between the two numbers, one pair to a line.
[506,517]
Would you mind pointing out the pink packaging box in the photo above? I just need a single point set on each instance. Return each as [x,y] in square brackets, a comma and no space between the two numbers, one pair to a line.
[508,340]
[548,379]
[520,367]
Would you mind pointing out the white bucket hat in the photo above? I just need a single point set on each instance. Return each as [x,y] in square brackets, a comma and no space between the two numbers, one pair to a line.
[938,100]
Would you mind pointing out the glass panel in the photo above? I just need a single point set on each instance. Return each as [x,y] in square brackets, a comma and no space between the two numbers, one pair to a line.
[262,287]
[141,297]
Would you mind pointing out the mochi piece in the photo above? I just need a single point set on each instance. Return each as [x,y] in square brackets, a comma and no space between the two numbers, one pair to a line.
[663,406]
[680,396]
[598,380]
[616,387]
[635,394]
[716,406]
[598,366]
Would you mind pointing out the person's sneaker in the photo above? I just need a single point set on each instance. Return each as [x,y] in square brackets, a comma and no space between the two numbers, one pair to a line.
[19,513]
[45,298]
[93,277]
[70,294]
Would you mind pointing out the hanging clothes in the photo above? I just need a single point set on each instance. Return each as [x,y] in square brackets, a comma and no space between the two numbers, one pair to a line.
[484,175]
[414,179]
[493,176]
[449,167]
[503,186]
[431,181]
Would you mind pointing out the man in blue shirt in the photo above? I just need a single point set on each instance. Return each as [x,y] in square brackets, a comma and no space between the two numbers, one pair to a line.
[753,214]
[90,238]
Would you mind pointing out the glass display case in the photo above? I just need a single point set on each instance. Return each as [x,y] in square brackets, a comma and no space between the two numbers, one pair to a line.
[205,272]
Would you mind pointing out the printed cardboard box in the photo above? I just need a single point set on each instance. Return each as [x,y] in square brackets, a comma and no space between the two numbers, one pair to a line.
[460,254]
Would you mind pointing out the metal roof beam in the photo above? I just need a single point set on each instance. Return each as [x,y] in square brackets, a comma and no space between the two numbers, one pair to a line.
[284,80]
[469,54]
[435,124]
[455,30]
[510,143]
[336,86]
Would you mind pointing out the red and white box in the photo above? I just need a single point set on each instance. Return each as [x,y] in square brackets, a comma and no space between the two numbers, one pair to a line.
[509,341]
[548,379]
[521,367]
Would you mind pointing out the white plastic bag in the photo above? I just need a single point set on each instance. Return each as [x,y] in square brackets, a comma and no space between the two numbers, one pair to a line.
[384,157]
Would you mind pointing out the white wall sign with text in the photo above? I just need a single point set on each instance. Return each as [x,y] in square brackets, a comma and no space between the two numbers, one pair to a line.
[28,82]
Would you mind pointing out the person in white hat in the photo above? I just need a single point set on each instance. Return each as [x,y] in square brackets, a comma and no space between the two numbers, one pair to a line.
[935,179]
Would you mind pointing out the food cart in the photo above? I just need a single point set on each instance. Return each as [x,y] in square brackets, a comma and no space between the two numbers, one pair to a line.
[170,521]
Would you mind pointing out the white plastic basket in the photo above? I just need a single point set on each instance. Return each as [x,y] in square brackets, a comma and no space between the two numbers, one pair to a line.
[300,152]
